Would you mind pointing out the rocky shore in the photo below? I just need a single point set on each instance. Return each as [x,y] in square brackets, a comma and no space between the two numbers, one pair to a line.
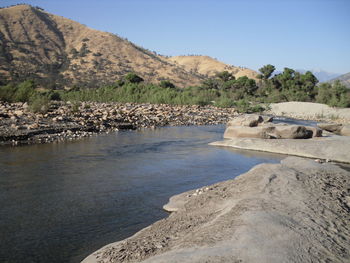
[327,141]
[69,121]
[295,211]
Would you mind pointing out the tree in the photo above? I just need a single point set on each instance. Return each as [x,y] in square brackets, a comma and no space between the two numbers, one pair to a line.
[166,84]
[225,76]
[266,71]
[133,78]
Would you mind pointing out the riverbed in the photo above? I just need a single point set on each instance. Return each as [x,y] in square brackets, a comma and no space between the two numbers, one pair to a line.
[62,201]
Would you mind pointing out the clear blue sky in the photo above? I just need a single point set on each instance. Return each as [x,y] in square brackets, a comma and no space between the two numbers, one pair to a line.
[301,34]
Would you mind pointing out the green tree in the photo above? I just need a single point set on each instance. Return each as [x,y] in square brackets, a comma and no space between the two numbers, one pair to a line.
[166,84]
[266,71]
[225,76]
[133,78]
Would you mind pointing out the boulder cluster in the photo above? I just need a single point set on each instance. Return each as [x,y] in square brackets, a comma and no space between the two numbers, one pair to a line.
[257,126]
[65,120]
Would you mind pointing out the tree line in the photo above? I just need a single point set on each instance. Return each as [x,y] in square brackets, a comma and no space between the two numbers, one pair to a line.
[222,90]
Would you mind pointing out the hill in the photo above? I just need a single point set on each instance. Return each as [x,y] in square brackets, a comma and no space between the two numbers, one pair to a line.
[344,79]
[208,66]
[57,51]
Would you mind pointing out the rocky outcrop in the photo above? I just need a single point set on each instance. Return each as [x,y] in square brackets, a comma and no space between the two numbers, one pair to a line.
[333,148]
[296,211]
[256,126]
[337,128]
[71,121]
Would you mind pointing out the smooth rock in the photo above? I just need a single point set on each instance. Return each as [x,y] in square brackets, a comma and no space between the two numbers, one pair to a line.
[292,212]
[249,120]
[331,127]
[345,131]
[249,132]
[316,132]
[334,147]
[291,132]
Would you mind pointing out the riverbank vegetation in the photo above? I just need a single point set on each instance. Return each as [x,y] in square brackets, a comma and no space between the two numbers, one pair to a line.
[223,90]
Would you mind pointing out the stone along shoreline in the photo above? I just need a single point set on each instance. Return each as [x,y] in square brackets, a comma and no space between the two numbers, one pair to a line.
[68,121]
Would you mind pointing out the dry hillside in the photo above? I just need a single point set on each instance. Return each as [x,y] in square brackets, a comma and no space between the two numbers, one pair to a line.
[57,50]
[208,66]
[344,79]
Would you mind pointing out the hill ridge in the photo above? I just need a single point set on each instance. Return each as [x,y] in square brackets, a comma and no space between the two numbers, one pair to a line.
[60,52]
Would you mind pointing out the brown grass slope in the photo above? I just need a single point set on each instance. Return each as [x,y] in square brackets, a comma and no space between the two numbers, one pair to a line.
[208,66]
[34,43]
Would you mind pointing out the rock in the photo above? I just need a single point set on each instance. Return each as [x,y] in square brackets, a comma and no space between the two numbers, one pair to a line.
[316,132]
[294,211]
[19,113]
[345,130]
[267,119]
[249,132]
[331,127]
[249,120]
[272,131]
[291,132]
[334,148]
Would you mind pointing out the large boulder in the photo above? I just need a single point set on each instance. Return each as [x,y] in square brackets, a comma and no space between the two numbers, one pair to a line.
[331,127]
[262,132]
[291,132]
[248,120]
[345,130]
[272,131]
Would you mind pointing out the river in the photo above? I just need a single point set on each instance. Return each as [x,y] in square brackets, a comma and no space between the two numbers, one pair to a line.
[62,201]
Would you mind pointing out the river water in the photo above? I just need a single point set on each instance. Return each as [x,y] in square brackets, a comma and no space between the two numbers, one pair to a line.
[60,202]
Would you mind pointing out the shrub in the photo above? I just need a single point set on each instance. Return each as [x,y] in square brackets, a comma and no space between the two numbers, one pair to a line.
[7,93]
[133,78]
[166,84]
[224,103]
[39,103]
[24,91]
[55,96]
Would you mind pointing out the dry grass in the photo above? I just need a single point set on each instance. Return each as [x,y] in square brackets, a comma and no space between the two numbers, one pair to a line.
[208,66]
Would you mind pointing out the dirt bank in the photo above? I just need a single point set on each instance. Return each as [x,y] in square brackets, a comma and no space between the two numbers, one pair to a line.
[296,211]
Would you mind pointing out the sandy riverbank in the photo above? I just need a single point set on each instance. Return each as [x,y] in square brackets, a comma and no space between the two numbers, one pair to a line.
[296,211]
[310,111]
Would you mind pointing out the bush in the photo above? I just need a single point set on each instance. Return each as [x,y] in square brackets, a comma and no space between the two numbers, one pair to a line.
[39,104]
[166,84]
[133,78]
[7,93]
[224,103]
[24,91]
[55,96]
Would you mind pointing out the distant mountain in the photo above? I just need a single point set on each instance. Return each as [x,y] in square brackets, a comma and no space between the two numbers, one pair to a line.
[208,66]
[56,50]
[345,79]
